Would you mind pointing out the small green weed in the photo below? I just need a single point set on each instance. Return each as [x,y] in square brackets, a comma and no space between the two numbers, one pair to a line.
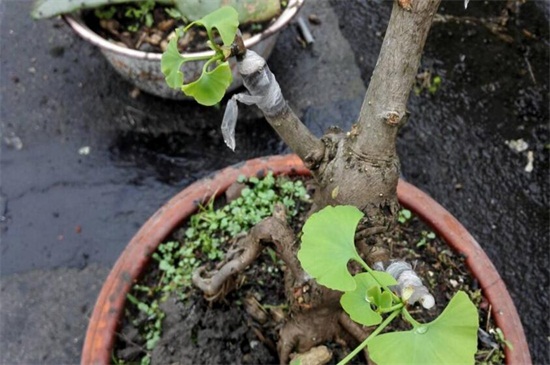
[106,12]
[142,13]
[174,13]
[404,216]
[427,81]
[425,237]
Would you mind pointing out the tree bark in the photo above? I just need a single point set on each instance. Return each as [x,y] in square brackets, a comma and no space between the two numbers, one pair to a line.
[384,106]
[365,168]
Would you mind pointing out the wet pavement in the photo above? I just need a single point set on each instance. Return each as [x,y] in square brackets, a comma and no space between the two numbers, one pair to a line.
[84,161]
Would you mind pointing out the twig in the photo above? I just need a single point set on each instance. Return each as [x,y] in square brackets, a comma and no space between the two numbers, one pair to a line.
[530,70]
[308,37]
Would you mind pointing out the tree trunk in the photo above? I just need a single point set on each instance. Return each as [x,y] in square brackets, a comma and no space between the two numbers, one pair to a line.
[365,169]
[359,167]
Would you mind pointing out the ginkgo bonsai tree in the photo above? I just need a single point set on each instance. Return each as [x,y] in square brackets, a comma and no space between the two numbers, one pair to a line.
[339,278]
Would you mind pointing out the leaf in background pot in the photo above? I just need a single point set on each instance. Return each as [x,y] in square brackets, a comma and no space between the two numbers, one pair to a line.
[210,88]
[225,20]
[450,339]
[328,243]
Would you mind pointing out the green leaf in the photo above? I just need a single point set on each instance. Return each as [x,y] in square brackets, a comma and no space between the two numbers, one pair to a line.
[170,65]
[210,88]
[385,300]
[224,19]
[151,343]
[373,294]
[328,245]
[357,303]
[449,339]
[173,13]
[166,266]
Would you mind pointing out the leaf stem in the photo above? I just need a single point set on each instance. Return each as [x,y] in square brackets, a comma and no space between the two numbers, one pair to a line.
[371,271]
[407,316]
[210,61]
[379,329]
[195,58]
[391,309]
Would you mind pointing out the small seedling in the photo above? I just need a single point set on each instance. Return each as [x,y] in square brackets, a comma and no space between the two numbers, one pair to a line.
[106,12]
[427,81]
[404,216]
[152,324]
[500,338]
[174,13]
[425,238]
[140,14]
[370,298]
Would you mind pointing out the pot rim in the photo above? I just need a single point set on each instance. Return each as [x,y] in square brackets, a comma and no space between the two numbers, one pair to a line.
[76,23]
[107,313]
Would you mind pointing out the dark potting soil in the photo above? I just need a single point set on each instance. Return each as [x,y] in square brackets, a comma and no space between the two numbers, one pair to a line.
[243,327]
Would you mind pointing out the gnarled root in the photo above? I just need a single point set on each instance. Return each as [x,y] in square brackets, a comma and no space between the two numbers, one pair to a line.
[217,283]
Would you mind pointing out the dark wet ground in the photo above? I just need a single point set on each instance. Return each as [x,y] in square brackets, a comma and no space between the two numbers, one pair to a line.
[84,163]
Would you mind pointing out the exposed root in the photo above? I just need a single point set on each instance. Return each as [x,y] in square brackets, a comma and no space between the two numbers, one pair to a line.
[216,284]
[272,230]
[306,330]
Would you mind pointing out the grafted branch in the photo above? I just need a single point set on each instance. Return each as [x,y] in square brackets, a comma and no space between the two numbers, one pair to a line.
[263,86]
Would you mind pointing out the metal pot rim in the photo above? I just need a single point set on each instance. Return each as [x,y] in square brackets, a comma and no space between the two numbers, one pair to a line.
[79,27]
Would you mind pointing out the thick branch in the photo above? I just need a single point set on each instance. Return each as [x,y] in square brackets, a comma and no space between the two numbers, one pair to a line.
[385,102]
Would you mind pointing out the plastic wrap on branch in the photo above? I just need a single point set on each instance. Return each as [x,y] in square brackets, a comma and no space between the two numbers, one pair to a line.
[263,91]
[409,285]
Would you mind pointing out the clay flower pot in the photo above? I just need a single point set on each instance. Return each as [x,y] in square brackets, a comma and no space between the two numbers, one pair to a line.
[108,311]
[143,68]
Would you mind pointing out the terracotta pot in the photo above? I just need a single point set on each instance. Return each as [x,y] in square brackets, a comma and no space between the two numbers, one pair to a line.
[143,68]
[108,310]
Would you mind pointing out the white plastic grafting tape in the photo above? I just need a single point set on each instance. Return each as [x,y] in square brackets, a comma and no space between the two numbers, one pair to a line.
[410,286]
[264,91]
